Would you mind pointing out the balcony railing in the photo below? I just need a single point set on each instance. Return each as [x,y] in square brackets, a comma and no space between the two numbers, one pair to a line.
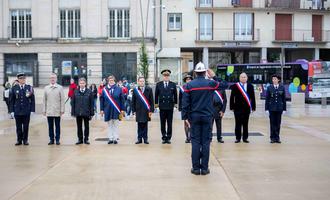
[115,34]
[228,35]
[69,34]
[299,35]
[27,35]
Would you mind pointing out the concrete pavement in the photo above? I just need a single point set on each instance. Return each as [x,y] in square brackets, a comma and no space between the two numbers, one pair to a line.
[298,169]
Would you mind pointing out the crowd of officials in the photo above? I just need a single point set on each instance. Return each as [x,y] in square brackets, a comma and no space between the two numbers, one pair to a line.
[201,100]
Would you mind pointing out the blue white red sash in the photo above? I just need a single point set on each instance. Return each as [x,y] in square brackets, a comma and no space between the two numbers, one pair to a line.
[181,89]
[111,99]
[219,95]
[244,93]
[143,99]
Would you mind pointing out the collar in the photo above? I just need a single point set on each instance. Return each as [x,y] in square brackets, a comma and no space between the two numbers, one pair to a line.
[53,85]
[278,85]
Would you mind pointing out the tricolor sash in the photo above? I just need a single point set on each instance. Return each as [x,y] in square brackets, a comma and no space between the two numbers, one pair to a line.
[244,93]
[219,95]
[181,89]
[111,99]
[143,99]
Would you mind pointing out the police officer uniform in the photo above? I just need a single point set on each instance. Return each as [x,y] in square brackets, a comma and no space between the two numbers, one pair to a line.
[22,104]
[166,98]
[197,109]
[275,104]
[219,106]
[181,91]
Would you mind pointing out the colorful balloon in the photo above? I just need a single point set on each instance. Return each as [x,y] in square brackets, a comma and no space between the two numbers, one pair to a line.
[296,81]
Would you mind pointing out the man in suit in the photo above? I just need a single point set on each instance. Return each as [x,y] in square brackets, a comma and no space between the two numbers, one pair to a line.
[197,111]
[275,105]
[219,111]
[142,107]
[166,98]
[242,102]
[22,105]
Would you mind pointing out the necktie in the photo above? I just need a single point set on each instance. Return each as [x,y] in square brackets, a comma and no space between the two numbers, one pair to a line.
[165,84]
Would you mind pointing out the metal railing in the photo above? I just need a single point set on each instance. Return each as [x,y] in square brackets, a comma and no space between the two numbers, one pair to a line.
[113,34]
[11,36]
[300,35]
[67,36]
[252,35]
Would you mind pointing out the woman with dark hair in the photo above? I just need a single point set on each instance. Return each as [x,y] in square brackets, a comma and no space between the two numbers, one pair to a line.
[94,90]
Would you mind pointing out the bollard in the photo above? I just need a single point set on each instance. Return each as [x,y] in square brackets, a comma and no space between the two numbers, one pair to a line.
[324,100]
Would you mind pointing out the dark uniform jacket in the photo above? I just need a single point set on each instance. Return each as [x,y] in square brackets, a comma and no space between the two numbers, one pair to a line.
[139,108]
[180,97]
[275,99]
[218,105]
[82,103]
[22,102]
[198,97]
[238,102]
[166,98]
[109,111]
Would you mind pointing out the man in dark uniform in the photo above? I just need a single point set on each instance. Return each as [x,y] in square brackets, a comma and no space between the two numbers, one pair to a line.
[220,103]
[242,102]
[275,105]
[142,107]
[197,110]
[186,80]
[166,97]
[22,104]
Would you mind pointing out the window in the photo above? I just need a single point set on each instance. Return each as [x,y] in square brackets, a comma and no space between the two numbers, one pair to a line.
[119,23]
[205,26]
[21,24]
[205,3]
[70,24]
[243,26]
[174,22]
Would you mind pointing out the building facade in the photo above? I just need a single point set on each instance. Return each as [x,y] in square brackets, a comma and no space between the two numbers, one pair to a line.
[75,38]
[243,31]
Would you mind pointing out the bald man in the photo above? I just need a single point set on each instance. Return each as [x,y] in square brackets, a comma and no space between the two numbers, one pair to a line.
[242,102]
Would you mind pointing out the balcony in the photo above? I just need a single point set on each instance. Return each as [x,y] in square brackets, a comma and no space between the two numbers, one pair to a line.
[19,35]
[298,4]
[301,36]
[227,35]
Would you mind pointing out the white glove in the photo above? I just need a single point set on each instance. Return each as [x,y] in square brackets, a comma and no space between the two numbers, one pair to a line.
[267,111]
[12,114]
[284,112]
[32,113]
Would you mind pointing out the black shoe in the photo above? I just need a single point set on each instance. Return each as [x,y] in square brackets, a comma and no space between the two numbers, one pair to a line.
[138,142]
[237,141]
[164,142]
[51,143]
[58,143]
[246,141]
[272,142]
[146,142]
[195,172]
[18,143]
[79,142]
[115,142]
[110,142]
[168,141]
[221,141]
[205,172]
[87,142]
[26,143]
[187,141]
[278,141]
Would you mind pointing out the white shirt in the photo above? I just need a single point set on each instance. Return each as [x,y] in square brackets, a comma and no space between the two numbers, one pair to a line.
[245,86]
[82,90]
[165,84]
[276,86]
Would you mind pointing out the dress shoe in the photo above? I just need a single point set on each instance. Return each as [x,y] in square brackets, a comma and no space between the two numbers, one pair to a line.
[205,172]
[51,143]
[79,142]
[26,143]
[246,141]
[195,171]
[87,142]
[58,143]
[110,142]
[278,141]
[164,142]
[146,142]
[237,141]
[115,142]
[168,141]
[187,141]
[220,141]
[272,142]
[138,142]
[18,143]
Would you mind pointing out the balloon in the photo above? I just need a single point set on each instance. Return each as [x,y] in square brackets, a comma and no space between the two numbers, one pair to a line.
[230,69]
[296,81]
[293,88]
[303,87]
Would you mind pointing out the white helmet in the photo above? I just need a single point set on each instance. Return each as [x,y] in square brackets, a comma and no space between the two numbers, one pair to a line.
[200,67]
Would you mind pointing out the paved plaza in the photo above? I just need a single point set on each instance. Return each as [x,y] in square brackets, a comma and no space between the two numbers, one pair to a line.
[297,169]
